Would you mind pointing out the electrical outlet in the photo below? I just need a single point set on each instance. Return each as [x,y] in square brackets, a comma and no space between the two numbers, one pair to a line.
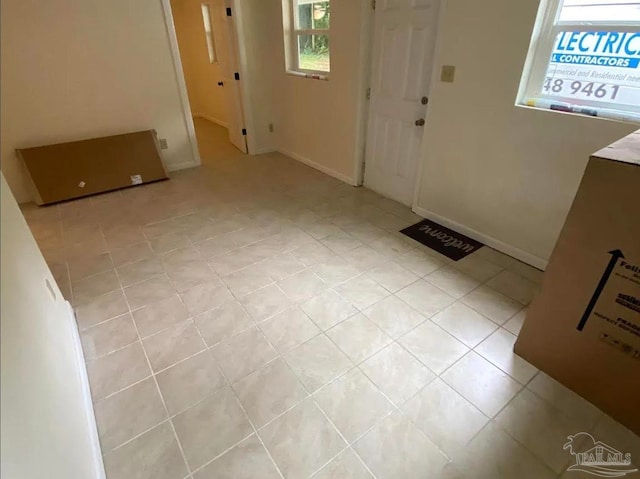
[163,144]
[448,73]
[271,128]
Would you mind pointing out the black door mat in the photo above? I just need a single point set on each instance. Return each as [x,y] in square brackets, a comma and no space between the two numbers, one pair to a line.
[441,239]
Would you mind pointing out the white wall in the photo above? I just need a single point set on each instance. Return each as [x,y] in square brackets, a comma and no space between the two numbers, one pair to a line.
[206,98]
[73,69]
[47,427]
[507,173]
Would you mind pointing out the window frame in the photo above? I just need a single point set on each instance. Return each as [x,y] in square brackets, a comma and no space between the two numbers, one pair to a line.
[209,36]
[546,30]
[294,35]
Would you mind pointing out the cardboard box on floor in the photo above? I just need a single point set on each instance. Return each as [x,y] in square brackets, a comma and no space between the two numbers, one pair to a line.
[583,329]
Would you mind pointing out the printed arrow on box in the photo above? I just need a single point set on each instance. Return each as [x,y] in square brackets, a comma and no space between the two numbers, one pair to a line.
[615,255]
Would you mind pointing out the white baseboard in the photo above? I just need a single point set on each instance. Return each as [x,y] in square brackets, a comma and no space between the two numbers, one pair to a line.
[319,167]
[98,464]
[210,118]
[182,165]
[494,243]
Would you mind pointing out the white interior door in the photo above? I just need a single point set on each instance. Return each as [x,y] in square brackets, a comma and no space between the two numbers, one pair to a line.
[404,41]
[230,63]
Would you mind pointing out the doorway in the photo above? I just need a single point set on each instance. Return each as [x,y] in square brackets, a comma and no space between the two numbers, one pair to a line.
[404,37]
[208,54]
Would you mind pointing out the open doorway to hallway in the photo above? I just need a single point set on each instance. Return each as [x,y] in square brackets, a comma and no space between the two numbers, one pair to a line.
[208,54]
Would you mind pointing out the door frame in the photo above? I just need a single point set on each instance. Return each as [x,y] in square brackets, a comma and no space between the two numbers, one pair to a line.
[240,48]
[367,70]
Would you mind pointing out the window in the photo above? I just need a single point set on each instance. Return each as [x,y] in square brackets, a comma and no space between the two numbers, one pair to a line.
[208,30]
[309,36]
[585,58]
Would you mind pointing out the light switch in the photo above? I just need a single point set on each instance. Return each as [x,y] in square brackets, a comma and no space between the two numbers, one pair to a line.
[448,73]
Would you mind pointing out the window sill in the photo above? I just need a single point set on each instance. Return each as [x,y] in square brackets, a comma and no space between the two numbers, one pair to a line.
[312,76]
[585,112]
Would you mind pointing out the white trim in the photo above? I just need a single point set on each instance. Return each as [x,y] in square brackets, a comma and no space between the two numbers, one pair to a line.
[211,119]
[319,167]
[494,243]
[179,73]
[86,393]
[183,165]
[262,151]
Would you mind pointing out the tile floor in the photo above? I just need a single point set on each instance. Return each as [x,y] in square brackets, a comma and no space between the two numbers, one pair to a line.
[255,318]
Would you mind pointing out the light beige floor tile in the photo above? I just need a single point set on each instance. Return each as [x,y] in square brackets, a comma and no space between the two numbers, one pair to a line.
[452,281]
[210,427]
[189,381]
[618,436]
[172,345]
[464,324]
[365,232]
[495,257]
[514,286]
[161,315]
[322,229]
[313,253]
[161,228]
[101,308]
[477,267]
[565,400]
[493,453]
[394,316]
[328,309]
[397,373]
[217,245]
[191,274]
[280,267]
[288,329]
[106,337]
[247,460]
[345,466]
[206,296]
[395,448]
[142,270]
[481,383]
[269,392]
[243,354]
[353,404]
[447,418]
[302,286]
[129,254]
[222,323]
[301,440]
[336,271]
[265,302]
[514,325]
[153,455]
[317,362]
[498,349]
[341,243]
[149,292]
[82,267]
[358,337]
[362,291]
[392,276]
[542,429]
[169,242]
[495,306]
[425,298]
[419,262]
[128,413]
[433,346]
[113,372]
[526,271]
[246,281]
[88,289]
[365,258]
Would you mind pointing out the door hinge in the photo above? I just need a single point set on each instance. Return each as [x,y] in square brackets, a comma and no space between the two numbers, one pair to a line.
[229,12]
[244,132]
[368,93]
[236,76]
[373,4]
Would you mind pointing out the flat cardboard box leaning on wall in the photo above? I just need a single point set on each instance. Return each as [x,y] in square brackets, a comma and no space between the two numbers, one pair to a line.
[583,329]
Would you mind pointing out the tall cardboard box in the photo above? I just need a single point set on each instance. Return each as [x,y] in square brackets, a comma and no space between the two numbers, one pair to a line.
[583,329]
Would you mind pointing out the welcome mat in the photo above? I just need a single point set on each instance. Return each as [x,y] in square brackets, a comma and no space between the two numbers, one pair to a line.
[443,240]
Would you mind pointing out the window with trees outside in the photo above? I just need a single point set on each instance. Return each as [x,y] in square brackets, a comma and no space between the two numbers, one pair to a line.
[584,58]
[310,36]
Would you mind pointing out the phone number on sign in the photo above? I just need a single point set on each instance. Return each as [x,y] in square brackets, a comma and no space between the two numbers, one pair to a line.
[580,89]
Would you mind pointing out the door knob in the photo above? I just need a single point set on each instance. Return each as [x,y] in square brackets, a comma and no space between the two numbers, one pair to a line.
[220,83]
[420,122]
[424,100]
